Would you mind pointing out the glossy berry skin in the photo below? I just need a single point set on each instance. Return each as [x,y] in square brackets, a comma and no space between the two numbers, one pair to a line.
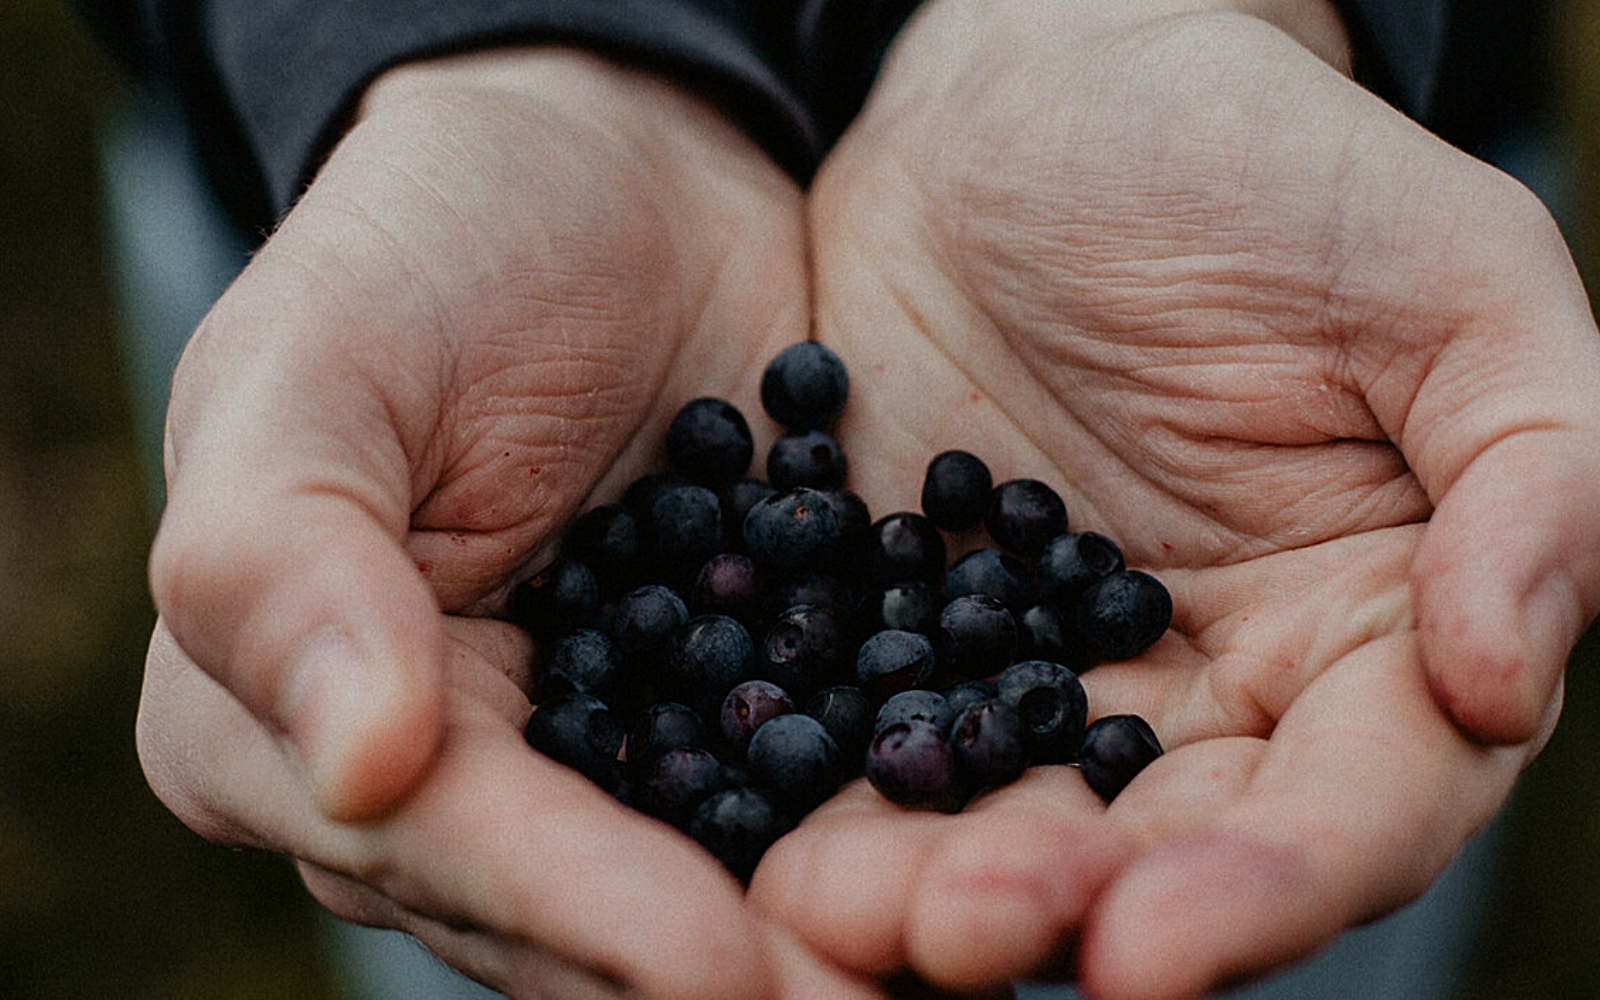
[910,607]
[998,574]
[737,496]
[728,583]
[738,825]
[918,703]
[795,757]
[684,528]
[847,714]
[1123,614]
[803,650]
[1045,632]
[1053,707]
[749,706]
[902,547]
[1024,514]
[805,387]
[674,782]
[709,441]
[644,622]
[1071,562]
[807,458]
[910,764]
[1115,749]
[967,692]
[706,658]
[563,596]
[661,726]
[584,661]
[792,530]
[976,636]
[894,660]
[579,731]
[609,540]
[988,746]
[955,490]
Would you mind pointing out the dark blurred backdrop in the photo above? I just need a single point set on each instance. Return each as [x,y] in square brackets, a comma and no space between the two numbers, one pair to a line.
[103,894]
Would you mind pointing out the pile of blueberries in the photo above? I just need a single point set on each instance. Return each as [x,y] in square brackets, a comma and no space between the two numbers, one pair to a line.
[723,652]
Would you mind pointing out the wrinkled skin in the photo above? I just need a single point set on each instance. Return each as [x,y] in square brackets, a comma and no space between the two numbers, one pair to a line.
[1301,359]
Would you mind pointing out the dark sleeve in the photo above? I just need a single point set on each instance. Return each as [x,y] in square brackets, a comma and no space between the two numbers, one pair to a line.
[269,84]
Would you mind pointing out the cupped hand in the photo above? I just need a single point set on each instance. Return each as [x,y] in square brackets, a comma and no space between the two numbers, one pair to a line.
[1336,383]
[478,319]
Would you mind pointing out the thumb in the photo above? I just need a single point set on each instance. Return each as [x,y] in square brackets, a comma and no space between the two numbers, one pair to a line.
[281,569]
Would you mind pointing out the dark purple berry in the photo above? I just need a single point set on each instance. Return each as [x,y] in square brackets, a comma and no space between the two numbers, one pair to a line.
[1024,514]
[806,458]
[795,757]
[661,726]
[1045,632]
[738,825]
[737,496]
[1123,614]
[1051,702]
[917,703]
[894,660]
[803,650]
[968,692]
[684,527]
[910,607]
[584,661]
[727,584]
[610,541]
[1070,562]
[955,490]
[910,763]
[792,530]
[709,441]
[846,713]
[674,782]
[976,636]
[748,707]
[645,620]
[1115,749]
[998,574]
[904,546]
[579,731]
[706,658]
[987,742]
[559,598]
[805,387]
[817,590]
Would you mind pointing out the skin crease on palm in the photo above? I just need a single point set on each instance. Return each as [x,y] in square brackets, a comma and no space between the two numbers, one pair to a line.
[1160,274]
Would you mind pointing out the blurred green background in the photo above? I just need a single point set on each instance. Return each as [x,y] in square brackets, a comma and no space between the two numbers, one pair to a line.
[103,894]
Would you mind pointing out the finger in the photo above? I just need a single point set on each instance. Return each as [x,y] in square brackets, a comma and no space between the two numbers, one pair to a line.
[498,839]
[1365,793]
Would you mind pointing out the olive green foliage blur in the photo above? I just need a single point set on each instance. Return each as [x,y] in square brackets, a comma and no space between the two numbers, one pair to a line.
[104,894]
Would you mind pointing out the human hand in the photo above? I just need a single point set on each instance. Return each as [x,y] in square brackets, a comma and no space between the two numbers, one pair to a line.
[1335,382]
[479,318]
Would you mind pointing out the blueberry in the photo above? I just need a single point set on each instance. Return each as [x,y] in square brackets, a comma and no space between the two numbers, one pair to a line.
[738,825]
[894,660]
[846,713]
[803,650]
[795,757]
[673,783]
[1115,749]
[792,530]
[737,496]
[562,596]
[584,661]
[1123,614]
[661,726]
[964,693]
[955,490]
[904,546]
[728,584]
[610,541]
[1071,561]
[814,589]
[805,386]
[1045,632]
[684,527]
[991,571]
[579,731]
[910,607]
[988,744]
[916,703]
[706,658]
[645,620]
[709,441]
[807,458]
[1024,514]
[910,763]
[1051,702]
[748,707]
[976,636]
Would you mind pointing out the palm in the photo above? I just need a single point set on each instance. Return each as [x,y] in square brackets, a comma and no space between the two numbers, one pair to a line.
[1161,310]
